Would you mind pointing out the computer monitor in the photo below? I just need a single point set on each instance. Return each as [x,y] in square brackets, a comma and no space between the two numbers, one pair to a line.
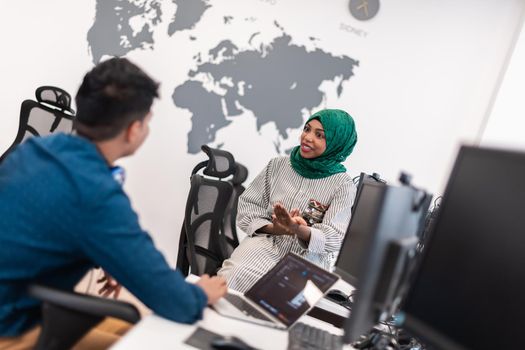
[362,224]
[393,220]
[469,290]
[363,179]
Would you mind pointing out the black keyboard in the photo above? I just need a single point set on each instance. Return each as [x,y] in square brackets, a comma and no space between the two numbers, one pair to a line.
[245,307]
[302,336]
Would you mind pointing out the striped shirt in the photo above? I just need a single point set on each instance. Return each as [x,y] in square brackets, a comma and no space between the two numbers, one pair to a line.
[279,182]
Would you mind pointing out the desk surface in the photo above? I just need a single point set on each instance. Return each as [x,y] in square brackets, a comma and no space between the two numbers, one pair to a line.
[154,332]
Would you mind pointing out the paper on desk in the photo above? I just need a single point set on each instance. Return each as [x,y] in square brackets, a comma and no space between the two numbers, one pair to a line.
[311,293]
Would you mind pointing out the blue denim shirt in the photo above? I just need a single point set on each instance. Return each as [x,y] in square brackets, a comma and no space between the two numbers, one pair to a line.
[61,213]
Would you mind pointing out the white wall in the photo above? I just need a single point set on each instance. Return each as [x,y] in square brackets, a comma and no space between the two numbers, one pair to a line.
[427,78]
[506,126]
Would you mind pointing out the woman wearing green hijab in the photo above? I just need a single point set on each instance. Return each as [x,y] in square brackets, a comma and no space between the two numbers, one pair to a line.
[298,204]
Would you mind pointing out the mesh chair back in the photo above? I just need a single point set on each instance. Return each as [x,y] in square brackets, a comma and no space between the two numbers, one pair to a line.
[230,218]
[202,244]
[51,113]
[204,213]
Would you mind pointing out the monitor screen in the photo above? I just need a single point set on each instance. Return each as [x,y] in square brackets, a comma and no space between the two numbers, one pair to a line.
[362,223]
[396,218]
[365,178]
[469,291]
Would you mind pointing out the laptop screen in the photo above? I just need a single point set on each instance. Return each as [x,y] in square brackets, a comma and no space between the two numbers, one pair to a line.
[291,288]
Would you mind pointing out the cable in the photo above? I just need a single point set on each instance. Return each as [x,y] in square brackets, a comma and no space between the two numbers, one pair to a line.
[437,202]
[398,338]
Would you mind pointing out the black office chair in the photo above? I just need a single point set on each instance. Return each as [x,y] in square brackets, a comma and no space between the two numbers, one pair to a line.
[229,228]
[49,114]
[68,316]
[202,244]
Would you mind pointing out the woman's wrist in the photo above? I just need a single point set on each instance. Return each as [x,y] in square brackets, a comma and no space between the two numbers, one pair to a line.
[266,229]
[293,229]
[303,232]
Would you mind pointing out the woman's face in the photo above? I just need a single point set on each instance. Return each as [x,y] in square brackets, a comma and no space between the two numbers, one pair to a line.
[313,142]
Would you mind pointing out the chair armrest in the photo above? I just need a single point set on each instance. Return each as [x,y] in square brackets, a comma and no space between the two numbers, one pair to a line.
[87,304]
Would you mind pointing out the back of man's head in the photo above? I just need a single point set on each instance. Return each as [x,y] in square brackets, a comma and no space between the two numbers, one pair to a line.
[112,95]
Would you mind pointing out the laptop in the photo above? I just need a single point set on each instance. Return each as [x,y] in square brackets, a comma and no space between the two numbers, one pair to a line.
[288,291]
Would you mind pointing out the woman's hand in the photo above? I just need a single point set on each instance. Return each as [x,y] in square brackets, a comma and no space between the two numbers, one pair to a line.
[297,217]
[283,222]
[289,223]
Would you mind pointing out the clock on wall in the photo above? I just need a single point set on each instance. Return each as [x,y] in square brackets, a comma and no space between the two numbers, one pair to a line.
[363,10]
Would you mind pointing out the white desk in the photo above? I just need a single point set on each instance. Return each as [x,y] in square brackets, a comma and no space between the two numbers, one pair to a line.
[154,332]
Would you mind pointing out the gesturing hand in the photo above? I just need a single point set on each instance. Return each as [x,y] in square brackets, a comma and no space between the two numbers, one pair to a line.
[296,216]
[110,286]
[289,223]
[283,222]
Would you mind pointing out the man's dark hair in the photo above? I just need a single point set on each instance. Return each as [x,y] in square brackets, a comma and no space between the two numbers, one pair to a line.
[112,95]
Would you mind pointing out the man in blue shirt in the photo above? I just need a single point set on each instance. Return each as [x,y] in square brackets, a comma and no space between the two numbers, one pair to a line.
[62,212]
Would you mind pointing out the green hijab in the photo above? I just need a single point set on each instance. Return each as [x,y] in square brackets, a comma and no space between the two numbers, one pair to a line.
[341,137]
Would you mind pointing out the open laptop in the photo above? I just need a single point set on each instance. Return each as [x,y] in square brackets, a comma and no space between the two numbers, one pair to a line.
[288,291]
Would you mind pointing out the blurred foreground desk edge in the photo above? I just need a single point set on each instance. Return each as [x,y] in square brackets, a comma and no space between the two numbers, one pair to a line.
[155,332]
